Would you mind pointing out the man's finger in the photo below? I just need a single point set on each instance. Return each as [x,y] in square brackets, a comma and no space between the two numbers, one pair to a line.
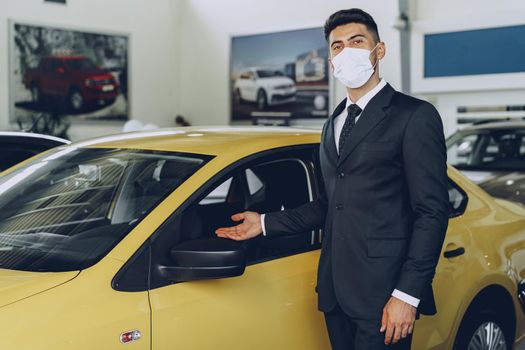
[411,328]
[383,322]
[389,332]
[404,331]
[397,334]
[238,217]
[228,230]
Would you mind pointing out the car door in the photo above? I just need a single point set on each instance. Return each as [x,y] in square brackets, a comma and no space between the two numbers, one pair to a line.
[273,303]
[60,78]
[436,331]
[46,76]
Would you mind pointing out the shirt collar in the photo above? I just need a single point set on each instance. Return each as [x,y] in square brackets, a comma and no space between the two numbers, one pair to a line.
[363,101]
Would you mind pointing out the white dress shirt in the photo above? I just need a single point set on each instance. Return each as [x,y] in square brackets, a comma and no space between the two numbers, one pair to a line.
[339,121]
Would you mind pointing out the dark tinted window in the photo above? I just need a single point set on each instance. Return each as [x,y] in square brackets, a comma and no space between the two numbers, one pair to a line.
[14,149]
[269,73]
[81,64]
[47,65]
[66,210]
[496,149]
[12,156]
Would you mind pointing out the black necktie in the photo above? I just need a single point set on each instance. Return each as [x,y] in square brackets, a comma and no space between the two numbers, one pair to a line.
[353,111]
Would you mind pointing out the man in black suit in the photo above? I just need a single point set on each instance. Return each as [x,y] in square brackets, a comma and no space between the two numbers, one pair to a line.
[385,211]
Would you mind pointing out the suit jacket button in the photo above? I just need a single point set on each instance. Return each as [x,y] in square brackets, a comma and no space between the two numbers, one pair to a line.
[339,206]
[341,175]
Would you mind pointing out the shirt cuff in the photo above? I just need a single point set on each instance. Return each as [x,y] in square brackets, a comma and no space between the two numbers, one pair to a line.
[262,224]
[405,297]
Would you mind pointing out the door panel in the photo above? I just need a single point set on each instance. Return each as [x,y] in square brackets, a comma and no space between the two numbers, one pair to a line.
[435,332]
[272,305]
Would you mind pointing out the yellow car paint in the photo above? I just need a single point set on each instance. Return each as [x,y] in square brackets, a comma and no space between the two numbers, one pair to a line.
[273,304]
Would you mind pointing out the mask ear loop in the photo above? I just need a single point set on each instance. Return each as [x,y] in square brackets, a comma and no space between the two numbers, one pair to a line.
[377,58]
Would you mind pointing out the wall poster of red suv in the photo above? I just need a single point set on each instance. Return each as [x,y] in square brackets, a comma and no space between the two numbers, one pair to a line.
[279,74]
[69,74]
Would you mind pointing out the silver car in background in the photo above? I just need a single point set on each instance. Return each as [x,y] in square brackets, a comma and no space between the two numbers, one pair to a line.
[492,154]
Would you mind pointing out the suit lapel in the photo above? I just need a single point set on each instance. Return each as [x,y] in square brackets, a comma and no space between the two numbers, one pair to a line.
[373,113]
[329,142]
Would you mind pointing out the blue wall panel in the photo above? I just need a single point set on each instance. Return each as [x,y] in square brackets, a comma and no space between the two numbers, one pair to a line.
[471,52]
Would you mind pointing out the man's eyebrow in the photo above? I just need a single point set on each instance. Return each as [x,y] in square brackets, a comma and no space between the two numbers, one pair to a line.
[355,36]
[336,42]
[350,38]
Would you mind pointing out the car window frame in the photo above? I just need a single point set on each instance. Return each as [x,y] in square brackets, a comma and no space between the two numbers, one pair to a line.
[126,274]
[204,157]
[463,207]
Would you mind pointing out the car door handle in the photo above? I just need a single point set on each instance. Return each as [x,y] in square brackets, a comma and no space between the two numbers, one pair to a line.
[455,252]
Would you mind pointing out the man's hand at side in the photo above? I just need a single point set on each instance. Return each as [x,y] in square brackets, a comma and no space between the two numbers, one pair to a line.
[249,228]
[398,320]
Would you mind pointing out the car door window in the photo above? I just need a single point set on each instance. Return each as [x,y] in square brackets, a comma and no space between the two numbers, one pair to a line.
[273,182]
[457,198]
[13,154]
[488,150]
[66,210]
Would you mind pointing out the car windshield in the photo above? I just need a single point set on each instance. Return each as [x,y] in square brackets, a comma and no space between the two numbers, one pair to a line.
[81,64]
[266,73]
[66,210]
[488,149]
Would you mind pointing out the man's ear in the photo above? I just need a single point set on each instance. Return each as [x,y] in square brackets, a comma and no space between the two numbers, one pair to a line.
[381,50]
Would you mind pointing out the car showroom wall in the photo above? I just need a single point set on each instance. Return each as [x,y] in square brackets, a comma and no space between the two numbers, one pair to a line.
[204,86]
[481,38]
[208,25]
[153,52]
[180,51]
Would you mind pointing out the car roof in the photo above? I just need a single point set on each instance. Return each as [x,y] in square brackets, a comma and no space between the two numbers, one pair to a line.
[213,140]
[33,135]
[503,124]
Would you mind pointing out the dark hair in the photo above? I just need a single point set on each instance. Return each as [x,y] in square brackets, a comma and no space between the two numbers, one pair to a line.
[343,17]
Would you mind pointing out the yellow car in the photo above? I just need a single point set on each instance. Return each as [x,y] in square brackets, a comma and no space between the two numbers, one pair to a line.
[110,244]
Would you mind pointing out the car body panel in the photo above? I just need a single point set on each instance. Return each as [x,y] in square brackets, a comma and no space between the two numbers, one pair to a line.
[482,265]
[85,313]
[273,87]
[16,285]
[273,303]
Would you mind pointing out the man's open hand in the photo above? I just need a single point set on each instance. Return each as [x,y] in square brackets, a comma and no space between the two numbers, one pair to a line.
[249,228]
[398,320]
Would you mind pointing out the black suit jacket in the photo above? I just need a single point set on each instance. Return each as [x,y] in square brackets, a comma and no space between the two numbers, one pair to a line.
[385,207]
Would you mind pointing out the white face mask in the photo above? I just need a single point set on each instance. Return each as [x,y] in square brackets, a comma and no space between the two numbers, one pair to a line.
[353,67]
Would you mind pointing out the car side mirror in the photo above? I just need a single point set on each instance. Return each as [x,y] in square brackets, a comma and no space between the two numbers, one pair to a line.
[209,258]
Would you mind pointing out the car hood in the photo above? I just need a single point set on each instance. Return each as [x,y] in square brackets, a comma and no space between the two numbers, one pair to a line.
[94,74]
[18,285]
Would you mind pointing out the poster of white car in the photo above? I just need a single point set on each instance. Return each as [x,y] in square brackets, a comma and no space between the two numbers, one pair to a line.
[279,74]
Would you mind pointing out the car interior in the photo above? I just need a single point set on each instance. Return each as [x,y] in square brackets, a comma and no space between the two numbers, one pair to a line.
[263,187]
